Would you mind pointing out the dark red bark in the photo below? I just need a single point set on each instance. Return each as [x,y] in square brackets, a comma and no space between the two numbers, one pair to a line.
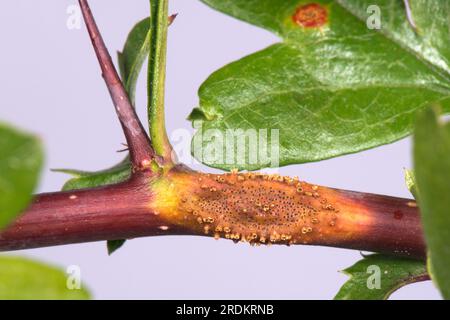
[393,227]
[367,222]
[107,213]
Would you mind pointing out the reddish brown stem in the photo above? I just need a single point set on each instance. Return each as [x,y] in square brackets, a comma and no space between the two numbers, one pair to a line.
[107,213]
[382,224]
[366,222]
[141,152]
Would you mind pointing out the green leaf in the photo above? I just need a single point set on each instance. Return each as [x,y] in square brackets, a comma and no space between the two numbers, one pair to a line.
[133,55]
[84,179]
[21,159]
[114,245]
[411,183]
[330,90]
[377,276]
[24,279]
[432,169]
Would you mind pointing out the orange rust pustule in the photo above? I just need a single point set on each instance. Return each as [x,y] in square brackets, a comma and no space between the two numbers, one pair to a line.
[259,209]
[312,15]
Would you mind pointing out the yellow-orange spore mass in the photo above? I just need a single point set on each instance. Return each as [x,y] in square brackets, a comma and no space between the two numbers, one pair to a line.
[257,208]
[312,15]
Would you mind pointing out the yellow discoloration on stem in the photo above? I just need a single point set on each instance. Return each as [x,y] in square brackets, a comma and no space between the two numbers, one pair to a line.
[256,208]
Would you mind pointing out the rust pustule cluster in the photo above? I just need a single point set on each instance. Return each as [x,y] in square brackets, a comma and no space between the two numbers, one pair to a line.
[312,15]
[258,208]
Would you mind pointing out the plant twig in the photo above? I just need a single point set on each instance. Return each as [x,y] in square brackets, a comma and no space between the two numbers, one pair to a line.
[107,213]
[190,203]
[146,207]
[141,151]
[160,22]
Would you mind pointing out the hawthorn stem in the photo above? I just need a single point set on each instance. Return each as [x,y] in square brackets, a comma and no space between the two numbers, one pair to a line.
[140,207]
[107,213]
[147,205]
[380,223]
[141,151]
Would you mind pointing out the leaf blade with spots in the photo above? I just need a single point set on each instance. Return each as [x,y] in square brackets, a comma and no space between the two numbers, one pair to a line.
[331,90]
[393,273]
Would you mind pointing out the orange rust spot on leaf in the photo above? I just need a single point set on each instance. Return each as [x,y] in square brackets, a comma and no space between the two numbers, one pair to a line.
[311,15]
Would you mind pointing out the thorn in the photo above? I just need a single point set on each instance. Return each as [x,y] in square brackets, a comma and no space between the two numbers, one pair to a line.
[172,18]
[139,143]
[124,149]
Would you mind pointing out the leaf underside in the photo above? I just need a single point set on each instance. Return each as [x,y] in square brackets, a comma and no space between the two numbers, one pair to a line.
[331,89]
[393,273]
[21,159]
[432,171]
